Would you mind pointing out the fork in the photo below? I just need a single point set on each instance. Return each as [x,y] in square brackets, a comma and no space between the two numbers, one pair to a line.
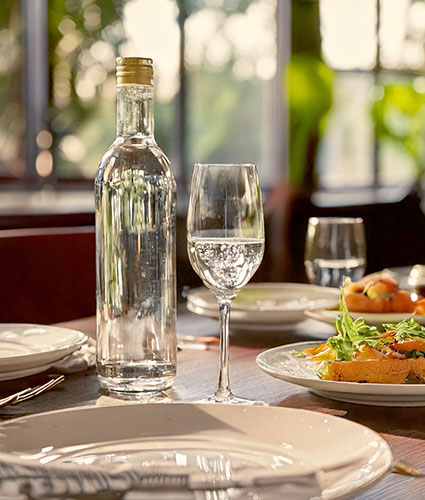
[30,392]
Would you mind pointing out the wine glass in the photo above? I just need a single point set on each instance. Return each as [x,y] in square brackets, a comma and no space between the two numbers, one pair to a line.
[225,240]
[335,249]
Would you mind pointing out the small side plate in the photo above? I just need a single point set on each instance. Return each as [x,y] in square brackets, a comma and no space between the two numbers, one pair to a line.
[27,346]
[329,316]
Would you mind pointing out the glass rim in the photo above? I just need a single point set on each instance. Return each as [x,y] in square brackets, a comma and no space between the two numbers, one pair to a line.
[335,220]
[222,165]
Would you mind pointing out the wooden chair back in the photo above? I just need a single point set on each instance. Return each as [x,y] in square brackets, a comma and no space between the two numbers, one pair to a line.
[47,274]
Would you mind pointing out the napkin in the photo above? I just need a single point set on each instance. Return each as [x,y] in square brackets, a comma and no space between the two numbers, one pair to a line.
[21,480]
[79,360]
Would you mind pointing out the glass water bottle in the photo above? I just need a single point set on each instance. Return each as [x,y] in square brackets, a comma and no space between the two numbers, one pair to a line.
[135,195]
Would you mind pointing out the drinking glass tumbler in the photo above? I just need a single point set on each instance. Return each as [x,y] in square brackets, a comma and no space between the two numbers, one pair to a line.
[335,249]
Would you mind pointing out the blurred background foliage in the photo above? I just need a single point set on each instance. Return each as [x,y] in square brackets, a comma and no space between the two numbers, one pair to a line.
[83,39]
[12,123]
[309,90]
[228,79]
[352,88]
[398,112]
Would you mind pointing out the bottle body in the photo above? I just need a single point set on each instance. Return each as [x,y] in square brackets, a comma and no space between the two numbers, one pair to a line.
[135,195]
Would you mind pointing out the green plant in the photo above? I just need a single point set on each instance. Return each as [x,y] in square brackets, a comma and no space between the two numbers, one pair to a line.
[398,112]
[309,91]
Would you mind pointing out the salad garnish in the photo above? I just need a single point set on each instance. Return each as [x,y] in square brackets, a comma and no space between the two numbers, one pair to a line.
[353,336]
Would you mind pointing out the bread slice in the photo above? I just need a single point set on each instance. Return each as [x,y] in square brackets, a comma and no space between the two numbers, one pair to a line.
[377,371]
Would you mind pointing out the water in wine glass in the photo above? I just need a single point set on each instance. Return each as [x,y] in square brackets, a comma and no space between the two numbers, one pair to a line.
[332,272]
[225,264]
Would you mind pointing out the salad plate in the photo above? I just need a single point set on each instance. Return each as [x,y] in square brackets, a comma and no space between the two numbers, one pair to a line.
[374,319]
[283,363]
[26,346]
[217,443]
[266,306]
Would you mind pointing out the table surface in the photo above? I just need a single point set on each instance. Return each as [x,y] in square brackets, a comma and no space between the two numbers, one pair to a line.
[403,428]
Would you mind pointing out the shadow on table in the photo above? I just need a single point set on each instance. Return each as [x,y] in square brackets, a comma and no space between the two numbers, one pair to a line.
[267,340]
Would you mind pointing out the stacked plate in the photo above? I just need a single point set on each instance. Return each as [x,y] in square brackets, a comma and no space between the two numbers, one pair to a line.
[266,306]
[27,349]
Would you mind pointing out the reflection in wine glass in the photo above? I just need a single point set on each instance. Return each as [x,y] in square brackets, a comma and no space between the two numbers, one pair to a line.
[225,237]
[335,249]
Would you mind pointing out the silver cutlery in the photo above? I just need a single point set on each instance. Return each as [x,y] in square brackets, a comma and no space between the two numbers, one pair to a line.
[30,392]
[191,342]
[193,487]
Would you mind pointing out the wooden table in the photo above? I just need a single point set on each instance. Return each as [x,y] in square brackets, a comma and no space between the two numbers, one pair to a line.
[403,428]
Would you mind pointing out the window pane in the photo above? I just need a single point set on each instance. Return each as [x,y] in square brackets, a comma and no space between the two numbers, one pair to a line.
[84,39]
[230,58]
[346,151]
[348,30]
[12,125]
[402,34]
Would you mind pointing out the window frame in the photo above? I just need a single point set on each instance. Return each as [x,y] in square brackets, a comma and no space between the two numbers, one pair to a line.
[377,72]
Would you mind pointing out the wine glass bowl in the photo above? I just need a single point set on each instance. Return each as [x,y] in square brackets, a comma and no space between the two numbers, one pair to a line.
[225,238]
[335,249]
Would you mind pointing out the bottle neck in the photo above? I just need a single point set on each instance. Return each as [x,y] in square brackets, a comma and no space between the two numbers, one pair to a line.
[135,110]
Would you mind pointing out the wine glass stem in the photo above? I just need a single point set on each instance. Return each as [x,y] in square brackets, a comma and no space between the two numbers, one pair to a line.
[223,390]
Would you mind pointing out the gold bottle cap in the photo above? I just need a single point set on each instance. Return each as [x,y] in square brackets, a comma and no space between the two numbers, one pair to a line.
[132,70]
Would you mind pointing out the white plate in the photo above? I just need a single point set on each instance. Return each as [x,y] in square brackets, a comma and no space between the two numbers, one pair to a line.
[280,362]
[228,438]
[373,319]
[26,346]
[266,305]
[24,373]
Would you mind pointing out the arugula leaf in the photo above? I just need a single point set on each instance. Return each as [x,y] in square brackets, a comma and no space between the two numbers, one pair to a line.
[351,334]
[406,329]
[417,354]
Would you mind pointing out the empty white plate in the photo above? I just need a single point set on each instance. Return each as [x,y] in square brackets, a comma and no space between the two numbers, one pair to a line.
[26,346]
[280,362]
[267,306]
[223,440]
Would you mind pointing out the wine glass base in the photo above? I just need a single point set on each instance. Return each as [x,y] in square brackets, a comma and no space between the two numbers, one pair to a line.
[231,400]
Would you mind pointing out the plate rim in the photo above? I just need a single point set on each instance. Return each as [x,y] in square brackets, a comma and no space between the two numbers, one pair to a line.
[273,285]
[371,318]
[247,323]
[386,455]
[46,355]
[25,372]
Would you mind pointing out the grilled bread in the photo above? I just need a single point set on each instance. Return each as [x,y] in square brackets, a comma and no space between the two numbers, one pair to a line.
[377,371]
